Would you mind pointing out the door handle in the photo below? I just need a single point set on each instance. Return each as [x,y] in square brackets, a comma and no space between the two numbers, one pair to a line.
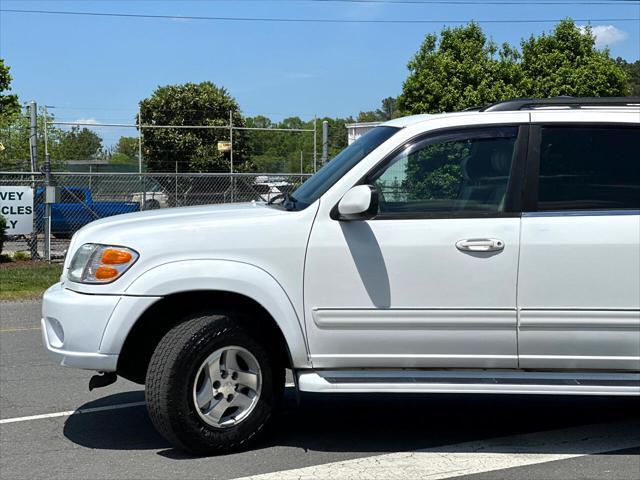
[480,245]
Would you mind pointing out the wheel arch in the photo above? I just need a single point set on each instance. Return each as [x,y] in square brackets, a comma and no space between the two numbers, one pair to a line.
[198,286]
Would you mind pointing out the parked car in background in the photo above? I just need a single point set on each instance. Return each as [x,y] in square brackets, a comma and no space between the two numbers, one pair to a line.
[76,208]
[151,200]
[489,251]
[226,189]
[268,187]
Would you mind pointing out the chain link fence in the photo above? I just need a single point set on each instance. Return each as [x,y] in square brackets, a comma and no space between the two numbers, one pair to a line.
[84,197]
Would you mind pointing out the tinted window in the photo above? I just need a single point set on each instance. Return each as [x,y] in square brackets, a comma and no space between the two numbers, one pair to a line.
[464,172]
[589,168]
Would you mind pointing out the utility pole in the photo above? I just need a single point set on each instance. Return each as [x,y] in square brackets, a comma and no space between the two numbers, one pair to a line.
[33,151]
[325,141]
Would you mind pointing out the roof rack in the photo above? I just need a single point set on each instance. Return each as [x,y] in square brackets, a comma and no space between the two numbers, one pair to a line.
[571,102]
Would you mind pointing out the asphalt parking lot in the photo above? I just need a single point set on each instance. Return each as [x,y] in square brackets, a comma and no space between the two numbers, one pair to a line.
[373,436]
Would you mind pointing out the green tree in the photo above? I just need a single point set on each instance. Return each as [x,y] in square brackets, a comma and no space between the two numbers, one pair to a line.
[633,73]
[459,68]
[14,136]
[193,150]
[119,159]
[9,106]
[365,117]
[462,68]
[128,146]
[78,144]
[566,62]
[388,109]
[280,151]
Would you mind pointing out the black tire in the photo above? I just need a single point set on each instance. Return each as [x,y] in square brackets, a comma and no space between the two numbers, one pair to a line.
[151,205]
[171,375]
[62,236]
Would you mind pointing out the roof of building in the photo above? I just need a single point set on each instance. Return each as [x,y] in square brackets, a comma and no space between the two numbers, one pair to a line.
[362,124]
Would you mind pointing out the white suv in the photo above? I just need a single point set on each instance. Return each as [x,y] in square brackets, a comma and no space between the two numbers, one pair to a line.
[487,251]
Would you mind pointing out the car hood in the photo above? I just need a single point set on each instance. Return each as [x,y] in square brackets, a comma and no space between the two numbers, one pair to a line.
[183,224]
[172,216]
[267,237]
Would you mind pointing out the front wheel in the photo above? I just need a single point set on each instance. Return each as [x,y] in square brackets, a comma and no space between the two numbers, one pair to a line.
[210,387]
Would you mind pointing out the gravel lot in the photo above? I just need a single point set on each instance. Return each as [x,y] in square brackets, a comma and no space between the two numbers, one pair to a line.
[369,436]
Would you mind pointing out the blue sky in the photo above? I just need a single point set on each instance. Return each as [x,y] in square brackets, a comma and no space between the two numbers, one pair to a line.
[98,68]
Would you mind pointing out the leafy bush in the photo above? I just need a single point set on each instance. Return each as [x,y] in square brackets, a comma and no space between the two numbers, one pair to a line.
[21,256]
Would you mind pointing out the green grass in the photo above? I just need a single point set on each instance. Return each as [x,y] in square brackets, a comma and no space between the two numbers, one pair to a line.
[21,281]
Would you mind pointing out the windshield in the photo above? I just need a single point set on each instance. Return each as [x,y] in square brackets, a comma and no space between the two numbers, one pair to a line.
[333,170]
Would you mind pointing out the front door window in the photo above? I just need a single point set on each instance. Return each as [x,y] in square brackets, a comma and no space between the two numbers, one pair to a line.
[458,173]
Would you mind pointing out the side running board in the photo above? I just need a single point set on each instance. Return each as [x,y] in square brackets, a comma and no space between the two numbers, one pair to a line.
[468,381]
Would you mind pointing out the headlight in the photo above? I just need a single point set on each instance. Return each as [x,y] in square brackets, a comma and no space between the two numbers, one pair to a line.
[93,263]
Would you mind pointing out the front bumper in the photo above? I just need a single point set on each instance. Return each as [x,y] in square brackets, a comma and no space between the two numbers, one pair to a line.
[87,331]
[85,360]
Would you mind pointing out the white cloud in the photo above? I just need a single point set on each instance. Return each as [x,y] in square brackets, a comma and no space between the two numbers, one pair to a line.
[82,121]
[606,35]
[86,123]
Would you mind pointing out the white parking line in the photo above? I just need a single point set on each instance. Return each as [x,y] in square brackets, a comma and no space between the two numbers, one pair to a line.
[475,457]
[72,412]
[33,328]
[83,410]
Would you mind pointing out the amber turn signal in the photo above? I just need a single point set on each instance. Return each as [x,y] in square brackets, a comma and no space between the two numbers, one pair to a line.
[113,256]
[106,273]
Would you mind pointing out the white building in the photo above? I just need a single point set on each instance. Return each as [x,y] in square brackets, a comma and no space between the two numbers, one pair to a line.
[356,130]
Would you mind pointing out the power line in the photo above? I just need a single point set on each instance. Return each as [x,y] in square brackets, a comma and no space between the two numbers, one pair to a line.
[303,20]
[461,2]
[479,2]
[427,2]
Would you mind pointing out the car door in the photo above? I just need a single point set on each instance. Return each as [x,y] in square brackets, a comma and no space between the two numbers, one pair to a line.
[431,280]
[579,284]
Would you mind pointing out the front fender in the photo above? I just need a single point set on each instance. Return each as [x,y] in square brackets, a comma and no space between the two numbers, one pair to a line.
[227,276]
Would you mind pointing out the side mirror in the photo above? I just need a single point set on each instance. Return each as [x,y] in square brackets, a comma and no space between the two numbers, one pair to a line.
[359,203]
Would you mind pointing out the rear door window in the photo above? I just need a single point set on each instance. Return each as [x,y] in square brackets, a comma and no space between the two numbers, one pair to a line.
[589,168]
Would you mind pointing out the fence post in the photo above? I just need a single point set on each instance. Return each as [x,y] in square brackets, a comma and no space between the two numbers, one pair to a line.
[176,187]
[144,193]
[315,145]
[325,141]
[47,193]
[33,135]
[33,150]
[231,154]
